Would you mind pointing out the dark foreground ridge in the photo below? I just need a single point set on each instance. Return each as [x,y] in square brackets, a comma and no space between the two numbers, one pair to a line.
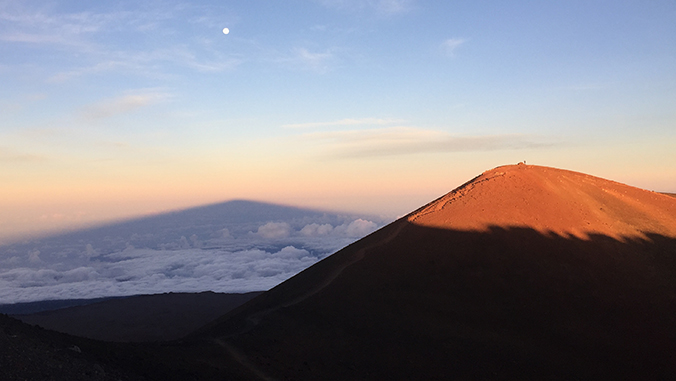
[509,303]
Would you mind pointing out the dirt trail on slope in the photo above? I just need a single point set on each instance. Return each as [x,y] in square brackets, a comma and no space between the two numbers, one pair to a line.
[255,319]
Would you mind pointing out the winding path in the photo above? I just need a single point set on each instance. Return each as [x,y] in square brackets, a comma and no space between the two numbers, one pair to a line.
[255,319]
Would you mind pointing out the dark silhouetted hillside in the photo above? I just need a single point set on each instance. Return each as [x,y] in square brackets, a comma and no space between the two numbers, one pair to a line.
[140,318]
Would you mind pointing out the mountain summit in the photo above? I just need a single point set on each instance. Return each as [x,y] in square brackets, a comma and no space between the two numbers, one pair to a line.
[524,272]
[550,200]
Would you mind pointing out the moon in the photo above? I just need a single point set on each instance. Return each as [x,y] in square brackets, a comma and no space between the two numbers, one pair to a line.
[226,30]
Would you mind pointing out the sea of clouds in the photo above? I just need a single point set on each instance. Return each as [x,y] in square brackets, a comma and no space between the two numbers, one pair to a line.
[236,247]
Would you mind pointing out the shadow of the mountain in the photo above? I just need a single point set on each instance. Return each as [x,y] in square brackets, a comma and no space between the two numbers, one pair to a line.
[240,216]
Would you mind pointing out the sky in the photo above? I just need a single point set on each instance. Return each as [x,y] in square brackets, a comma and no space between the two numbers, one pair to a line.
[110,110]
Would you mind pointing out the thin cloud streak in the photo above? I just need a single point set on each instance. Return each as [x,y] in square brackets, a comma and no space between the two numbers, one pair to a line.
[395,141]
[301,58]
[122,105]
[392,6]
[10,156]
[150,63]
[345,122]
[316,61]
[382,7]
[449,46]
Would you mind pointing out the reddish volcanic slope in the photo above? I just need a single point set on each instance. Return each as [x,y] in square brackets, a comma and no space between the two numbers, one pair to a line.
[525,272]
[551,200]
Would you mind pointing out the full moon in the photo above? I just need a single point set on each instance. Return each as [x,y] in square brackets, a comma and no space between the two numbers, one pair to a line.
[226,30]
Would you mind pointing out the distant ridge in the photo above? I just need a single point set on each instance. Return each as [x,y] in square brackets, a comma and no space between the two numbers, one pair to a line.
[47,305]
[140,318]
[525,272]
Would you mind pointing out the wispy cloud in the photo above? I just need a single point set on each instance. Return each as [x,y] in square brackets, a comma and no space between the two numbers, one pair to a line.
[394,141]
[308,60]
[114,145]
[392,6]
[35,38]
[116,40]
[122,105]
[584,87]
[345,122]
[8,155]
[149,63]
[449,46]
[25,25]
[382,7]
[94,69]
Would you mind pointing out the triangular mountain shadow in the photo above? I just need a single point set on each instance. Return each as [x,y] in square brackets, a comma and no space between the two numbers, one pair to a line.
[209,226]
[243,214]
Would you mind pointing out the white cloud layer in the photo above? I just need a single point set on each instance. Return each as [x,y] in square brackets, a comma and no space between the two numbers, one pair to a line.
[145,271]
[187,251]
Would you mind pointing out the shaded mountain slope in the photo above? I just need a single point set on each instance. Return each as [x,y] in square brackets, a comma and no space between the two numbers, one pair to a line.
[524,272]
[140,318]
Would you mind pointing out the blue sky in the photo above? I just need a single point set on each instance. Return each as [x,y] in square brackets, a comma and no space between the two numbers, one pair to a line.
[109,110]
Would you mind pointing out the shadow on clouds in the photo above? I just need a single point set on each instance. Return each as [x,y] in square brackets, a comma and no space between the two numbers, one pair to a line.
[236,246]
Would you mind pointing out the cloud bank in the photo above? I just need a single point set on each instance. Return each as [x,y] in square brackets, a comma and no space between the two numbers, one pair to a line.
[236,248]
[146,271]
